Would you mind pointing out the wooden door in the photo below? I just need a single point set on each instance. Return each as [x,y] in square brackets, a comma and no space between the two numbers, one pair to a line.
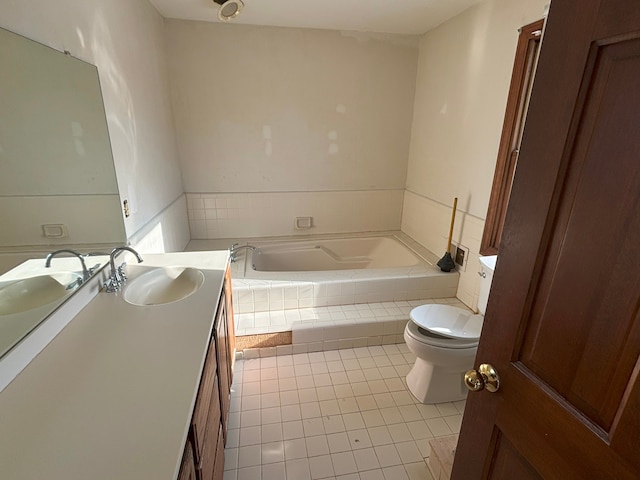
[563,322]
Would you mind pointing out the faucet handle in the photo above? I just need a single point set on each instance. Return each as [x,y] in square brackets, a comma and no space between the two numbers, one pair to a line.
[112,285]
[121,273]
[233,247]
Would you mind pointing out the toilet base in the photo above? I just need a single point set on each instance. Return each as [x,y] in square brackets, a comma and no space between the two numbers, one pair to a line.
[435,384]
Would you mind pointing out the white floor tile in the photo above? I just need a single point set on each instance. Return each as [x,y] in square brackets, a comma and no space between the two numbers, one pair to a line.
[250,473]
[272,452]
[408,452]
[395,473]
[379,435]
[272,433]
[317,445]
[296,448]
[310,410]
[292,430]
[321,467]
[343,463]
[338,442]
[353,421]
[372,475]
[270,415]
[418,471]
[399,433]
[359,439]
[274,471]
[290,413]
[313,427]
[250,436]
[366,459]
[387,455]
[249,456]
[298,469]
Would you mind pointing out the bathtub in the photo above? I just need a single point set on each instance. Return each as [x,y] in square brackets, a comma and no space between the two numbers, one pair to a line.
[326,271]
[333,254]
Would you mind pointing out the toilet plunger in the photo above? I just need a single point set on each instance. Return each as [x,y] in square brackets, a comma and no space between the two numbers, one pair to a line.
[446,263]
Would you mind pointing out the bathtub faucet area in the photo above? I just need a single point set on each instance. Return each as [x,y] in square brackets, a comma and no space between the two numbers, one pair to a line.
[233,250]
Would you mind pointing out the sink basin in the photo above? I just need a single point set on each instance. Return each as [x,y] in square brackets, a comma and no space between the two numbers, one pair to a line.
[163,285]
[33,292]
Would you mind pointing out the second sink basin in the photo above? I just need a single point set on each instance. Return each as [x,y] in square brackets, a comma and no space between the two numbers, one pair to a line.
[163,285]
[34,292]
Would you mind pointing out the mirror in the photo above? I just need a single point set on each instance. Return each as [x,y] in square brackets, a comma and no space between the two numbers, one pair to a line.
[30,292]
[58,185]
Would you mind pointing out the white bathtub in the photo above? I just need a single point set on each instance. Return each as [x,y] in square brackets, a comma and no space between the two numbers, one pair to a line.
[333,254]
[345,270]
[354,269]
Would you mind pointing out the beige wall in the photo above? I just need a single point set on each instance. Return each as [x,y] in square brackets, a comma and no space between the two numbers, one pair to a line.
[463,79]
[125,40]
[282,110]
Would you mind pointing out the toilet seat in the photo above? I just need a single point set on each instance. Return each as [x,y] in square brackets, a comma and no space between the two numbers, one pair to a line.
[436,340]
[447,321]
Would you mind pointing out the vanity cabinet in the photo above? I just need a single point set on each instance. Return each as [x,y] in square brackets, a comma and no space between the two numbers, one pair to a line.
[203,457]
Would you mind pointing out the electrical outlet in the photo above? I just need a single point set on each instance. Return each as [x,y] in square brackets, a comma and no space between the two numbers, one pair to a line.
[460,256]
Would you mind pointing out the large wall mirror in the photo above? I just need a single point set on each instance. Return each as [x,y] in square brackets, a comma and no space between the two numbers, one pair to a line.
[58,184]
[55,157]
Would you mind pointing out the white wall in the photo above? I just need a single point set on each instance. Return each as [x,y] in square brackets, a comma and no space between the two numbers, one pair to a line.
[463,79]
[125,40]
[284,111]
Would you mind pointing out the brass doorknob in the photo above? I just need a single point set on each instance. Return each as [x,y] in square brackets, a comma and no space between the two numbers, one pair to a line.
[485,378]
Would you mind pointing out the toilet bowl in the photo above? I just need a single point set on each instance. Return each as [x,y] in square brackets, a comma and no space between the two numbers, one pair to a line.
[445,341]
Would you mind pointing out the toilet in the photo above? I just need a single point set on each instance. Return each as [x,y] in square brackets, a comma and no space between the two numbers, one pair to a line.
[445,340]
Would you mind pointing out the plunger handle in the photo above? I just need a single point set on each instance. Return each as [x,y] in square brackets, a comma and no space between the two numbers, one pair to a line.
[453,217]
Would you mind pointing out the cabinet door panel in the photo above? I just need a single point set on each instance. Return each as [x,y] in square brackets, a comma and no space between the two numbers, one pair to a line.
[188,466]
[210,447]
[231,330]
[222,350]
[218,472]
[206,393]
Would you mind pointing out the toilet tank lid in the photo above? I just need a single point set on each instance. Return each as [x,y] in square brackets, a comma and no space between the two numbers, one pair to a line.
[448,321]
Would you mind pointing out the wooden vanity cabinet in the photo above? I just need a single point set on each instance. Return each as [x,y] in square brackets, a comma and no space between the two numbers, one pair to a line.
[203,457]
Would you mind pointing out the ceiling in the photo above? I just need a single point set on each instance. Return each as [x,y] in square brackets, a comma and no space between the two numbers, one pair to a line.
[411,17]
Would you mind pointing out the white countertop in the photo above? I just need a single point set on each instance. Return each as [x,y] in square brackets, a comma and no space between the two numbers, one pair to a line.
[111,396]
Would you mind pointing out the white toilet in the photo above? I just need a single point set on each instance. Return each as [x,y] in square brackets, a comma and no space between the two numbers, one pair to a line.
[445,340]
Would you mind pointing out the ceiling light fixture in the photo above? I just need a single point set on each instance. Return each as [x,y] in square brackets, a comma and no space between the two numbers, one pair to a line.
[229,9]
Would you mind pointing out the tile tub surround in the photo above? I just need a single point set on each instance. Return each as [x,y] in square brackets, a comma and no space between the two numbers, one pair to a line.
[234,215]
[342,414]
[275,291]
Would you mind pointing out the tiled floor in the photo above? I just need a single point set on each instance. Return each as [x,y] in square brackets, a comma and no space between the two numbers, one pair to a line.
[340,414]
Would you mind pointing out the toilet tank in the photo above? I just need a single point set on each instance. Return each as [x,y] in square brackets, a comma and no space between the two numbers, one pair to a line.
[487,266]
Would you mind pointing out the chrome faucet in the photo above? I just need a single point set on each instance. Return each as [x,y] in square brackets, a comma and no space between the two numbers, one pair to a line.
[233,250]
[85,272]
[117,276]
